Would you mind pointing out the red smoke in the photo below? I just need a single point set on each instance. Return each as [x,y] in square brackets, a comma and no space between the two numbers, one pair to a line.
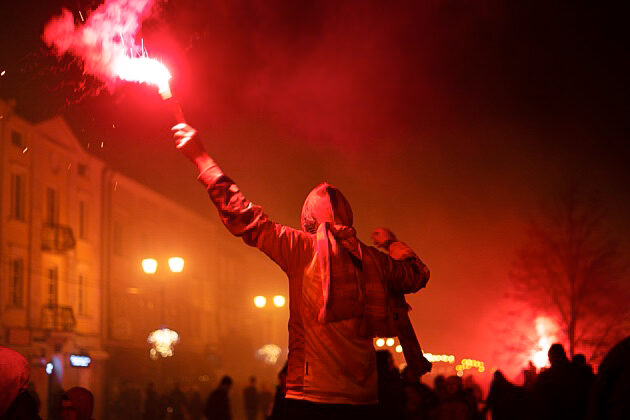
[107,35]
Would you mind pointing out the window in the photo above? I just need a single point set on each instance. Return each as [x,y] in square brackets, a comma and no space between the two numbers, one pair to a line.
[81,295]
[18,194]
[118,239]
[53,277]
[52,206]
[82,220]
[16,282]
[16,139]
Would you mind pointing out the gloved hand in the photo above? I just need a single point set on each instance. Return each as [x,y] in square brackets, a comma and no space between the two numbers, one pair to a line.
[383,237]
[187,140]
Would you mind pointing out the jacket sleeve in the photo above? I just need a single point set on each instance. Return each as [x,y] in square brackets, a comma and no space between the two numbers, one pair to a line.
[283,244]
[407,273]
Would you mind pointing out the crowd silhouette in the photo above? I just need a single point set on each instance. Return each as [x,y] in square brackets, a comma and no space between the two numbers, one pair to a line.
[567,389]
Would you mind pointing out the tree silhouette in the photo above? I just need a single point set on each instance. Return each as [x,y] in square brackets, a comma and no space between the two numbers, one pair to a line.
[571,269]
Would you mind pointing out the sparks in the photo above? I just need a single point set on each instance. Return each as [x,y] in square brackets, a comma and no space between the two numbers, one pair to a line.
[3,72]
[81,15]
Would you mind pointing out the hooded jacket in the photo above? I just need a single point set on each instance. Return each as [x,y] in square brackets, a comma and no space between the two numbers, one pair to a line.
[14,374]
[337,284]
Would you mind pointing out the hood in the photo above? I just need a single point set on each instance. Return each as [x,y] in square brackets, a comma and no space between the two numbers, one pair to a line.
[82,400]
[14,374]
[325,203]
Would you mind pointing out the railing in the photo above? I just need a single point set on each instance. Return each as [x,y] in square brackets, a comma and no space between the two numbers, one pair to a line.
[58,318]
[57,238]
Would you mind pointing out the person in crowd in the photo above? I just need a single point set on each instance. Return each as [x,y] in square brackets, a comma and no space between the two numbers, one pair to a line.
[338,289]
[195,404]
[555,391]
[77,403]
[177,403]
[278,410]
[507,401]
[390,394]
[611,386]
[266,399]
[151,403]
[439,387]
[15,400]
[218,402]
[583,381]
[419,399]
[455,405]
[251,399]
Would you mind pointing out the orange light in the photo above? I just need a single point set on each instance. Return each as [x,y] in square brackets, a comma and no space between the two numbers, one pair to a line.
[279,301]
[380,342]
[149,265]
[176,264]
[260,301]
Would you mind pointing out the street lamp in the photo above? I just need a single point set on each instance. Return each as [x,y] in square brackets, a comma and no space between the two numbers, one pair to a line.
[260,301]
[163,339]
[279,301]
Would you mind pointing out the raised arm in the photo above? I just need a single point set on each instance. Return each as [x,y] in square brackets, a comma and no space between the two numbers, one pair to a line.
[407,273]
[282,244]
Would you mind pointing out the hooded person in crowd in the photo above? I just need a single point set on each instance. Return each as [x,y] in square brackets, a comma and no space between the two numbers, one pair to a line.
[77,403]
[15,400]
[342,292]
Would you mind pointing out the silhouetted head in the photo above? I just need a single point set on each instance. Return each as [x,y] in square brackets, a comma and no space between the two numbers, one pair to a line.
[579,360]
[226,382]
[77,403]
[325,203]
[557,355]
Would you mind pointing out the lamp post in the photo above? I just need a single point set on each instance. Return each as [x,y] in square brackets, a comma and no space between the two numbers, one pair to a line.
[279,301]
[163,339]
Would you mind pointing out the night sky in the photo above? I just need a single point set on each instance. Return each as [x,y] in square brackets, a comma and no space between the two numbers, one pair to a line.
[447,121]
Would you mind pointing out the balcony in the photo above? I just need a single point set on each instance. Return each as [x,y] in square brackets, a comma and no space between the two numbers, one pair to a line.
[58,318]
[57,238]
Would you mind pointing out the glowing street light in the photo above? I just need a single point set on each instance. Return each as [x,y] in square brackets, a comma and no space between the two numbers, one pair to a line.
[390,342]
[279,301]
[176,264]
[149,265]
[380,342]
[260,301]
[162,341]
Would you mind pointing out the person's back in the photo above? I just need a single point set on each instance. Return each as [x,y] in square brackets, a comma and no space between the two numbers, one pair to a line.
[554,390]
[218,402]
[338,287]
[251,399]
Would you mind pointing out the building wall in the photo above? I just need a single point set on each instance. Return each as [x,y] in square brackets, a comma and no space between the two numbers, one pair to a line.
[43,156]
[116,222]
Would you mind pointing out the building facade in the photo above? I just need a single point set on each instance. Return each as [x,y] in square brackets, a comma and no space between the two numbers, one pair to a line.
[50,251]
[73,235]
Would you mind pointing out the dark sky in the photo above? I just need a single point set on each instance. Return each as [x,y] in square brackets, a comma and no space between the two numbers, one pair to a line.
[447,121]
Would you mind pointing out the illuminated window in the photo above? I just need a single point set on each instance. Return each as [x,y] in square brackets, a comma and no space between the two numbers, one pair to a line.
[16,282]
[18,196]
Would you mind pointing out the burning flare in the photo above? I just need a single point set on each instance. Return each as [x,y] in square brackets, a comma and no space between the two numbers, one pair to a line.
[104,43]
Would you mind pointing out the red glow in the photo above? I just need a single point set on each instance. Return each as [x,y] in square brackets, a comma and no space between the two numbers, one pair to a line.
[545,328]
[105,42]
